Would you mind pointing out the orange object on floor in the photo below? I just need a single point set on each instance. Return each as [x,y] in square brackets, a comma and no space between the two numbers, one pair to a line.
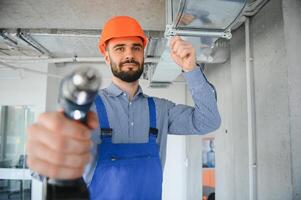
[209,177]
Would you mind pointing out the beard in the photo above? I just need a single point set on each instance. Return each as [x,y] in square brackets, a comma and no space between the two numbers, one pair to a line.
[129,76]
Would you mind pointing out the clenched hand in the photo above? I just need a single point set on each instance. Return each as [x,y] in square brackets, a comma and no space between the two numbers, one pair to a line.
[183,53]
[58,147]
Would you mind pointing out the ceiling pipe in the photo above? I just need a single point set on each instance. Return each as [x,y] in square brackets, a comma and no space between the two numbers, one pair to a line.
[30,41]
[84,33]
[74,59]
[66,35]
[4,34]
[251,116]
[3,52]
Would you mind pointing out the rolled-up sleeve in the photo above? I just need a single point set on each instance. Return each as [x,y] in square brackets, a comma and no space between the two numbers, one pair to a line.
[204,116]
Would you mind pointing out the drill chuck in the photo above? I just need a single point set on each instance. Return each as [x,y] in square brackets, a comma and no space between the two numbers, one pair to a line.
[78,91]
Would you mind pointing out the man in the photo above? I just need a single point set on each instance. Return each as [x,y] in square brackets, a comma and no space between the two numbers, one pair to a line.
[128,149]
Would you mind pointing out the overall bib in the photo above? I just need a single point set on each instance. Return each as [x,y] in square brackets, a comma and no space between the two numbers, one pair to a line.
[126,171]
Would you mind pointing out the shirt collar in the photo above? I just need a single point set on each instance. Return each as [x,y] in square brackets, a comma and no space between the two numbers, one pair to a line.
[114,90]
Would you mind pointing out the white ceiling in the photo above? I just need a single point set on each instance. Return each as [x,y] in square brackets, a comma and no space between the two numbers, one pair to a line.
[79,14]
[68,28]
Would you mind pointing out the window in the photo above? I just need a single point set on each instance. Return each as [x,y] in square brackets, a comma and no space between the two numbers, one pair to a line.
[15,180]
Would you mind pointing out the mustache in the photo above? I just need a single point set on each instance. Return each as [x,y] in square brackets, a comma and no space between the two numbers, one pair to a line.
[130,61]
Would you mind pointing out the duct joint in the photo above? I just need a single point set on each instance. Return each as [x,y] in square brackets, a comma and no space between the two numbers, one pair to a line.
[171,31]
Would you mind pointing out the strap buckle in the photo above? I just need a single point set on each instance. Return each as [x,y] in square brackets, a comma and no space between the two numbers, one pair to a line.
[153,131]
[106,132]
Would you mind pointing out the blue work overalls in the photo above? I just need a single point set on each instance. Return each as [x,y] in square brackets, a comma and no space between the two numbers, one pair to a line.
[126,171]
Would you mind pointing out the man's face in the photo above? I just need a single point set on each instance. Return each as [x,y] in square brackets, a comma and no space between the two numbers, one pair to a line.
[126,57]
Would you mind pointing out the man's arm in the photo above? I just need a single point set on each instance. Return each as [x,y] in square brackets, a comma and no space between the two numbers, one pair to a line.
[204,116]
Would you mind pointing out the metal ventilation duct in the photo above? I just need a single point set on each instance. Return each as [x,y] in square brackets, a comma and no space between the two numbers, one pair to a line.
[214,16]
[206,24]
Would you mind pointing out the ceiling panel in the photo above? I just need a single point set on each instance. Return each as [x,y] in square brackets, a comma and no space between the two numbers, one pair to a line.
[70,46]
[79,14]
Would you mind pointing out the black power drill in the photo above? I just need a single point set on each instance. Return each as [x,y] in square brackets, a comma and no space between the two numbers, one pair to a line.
[77,93]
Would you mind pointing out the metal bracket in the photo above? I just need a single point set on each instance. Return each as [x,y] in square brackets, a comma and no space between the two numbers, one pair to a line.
[171,31]
[33,43]
[4,34]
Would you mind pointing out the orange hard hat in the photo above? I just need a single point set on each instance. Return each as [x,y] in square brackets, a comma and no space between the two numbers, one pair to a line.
[120,26]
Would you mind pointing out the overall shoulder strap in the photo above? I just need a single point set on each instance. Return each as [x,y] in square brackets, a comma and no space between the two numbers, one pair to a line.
[152,116]
[106,131]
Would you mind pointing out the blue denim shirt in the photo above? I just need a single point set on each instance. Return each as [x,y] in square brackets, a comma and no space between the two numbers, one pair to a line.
[129,119]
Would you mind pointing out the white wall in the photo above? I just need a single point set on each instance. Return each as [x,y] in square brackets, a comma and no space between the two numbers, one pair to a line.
[275,39]
[194,159]
[53,84]
[292,32]
[23,88]
[175,172]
